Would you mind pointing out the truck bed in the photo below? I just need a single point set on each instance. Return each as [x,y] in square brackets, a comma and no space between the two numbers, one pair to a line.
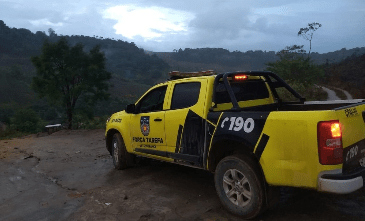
[307,106]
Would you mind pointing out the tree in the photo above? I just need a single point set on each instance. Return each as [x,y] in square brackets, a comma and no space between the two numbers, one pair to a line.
[307,33]
[294,68]
[51,33]
[66,74]
[291,52]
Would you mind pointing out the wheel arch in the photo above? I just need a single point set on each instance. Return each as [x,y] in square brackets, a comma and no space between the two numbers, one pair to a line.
[109,138]
[230,146]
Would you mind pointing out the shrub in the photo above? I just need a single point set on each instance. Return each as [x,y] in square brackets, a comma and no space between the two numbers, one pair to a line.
[297,70]
[311,93]
[96,123]
[26,120]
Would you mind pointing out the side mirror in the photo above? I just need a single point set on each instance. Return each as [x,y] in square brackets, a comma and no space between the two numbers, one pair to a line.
[130,109]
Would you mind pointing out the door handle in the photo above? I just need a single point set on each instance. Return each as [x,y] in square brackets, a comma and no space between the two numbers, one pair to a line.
[158,119]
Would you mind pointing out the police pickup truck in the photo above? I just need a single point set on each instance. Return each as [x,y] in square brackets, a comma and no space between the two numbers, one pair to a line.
[237,126]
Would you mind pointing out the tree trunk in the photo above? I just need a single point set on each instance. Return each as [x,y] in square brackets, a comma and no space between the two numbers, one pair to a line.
[69,118]
[310,48]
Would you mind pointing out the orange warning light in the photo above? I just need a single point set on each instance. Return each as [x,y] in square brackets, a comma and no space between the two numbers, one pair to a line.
[240,77]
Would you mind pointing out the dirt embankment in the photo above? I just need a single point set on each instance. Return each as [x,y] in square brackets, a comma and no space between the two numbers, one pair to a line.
[69,175]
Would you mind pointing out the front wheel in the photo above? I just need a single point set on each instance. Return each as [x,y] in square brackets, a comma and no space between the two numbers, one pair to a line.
[121,158]
[240,187]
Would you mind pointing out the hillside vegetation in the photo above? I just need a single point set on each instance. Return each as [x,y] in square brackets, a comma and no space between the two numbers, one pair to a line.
[348,74]
[222,60]
[344,69]
[134,70]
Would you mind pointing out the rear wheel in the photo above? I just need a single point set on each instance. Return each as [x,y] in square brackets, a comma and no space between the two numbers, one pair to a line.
[121,158]
[240,186]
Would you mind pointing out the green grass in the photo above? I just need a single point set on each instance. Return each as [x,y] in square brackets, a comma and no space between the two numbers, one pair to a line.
[9,134]
[311,93]
[96,123]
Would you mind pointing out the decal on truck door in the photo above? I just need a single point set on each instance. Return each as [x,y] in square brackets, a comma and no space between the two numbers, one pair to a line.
[244,126]
[190,139]
[261,146]
[145,125]
[178,139]
[237,124]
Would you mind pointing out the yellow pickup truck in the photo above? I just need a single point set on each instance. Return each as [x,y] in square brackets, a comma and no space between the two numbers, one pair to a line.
[237,126]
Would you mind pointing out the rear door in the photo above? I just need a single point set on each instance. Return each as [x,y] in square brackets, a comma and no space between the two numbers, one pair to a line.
[352,120]
[185,122]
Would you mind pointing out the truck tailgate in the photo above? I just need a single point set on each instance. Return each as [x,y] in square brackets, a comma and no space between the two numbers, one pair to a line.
[352,121]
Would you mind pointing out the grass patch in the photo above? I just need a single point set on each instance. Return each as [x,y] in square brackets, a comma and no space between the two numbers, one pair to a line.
[96,123]
[311,93]
[9,134]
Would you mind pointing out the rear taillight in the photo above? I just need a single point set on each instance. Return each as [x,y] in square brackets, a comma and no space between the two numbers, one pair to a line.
[330,142]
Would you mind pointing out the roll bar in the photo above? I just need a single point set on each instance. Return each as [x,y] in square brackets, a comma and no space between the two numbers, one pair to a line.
[267,74]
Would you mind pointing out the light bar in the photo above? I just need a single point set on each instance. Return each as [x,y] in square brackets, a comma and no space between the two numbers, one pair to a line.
[191,74]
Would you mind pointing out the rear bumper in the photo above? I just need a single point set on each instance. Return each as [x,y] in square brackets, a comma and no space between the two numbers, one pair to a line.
[336,182]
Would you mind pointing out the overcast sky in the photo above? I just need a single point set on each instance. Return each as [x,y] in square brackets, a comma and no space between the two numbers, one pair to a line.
[165,25]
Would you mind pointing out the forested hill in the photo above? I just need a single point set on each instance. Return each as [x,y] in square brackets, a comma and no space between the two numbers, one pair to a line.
[123,59]
[221,59]
[348,74]
[133,71]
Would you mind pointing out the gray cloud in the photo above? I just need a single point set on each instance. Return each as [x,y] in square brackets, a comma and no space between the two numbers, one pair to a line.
[222,24]
[231,24]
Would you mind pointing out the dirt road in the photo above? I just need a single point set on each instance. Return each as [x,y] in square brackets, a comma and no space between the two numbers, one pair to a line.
[332,94]
[69,176]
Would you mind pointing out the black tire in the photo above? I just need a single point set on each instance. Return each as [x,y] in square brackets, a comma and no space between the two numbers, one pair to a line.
[240,186]
[121,158]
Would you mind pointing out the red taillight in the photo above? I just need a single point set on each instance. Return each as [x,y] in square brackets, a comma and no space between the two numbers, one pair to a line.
[240,77]
[330,142]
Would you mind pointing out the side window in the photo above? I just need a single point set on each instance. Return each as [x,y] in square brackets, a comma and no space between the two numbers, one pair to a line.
[153,101]
[185,95]
[244,91]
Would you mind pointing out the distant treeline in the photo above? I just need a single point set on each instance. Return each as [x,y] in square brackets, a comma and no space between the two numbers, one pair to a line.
[249,60]
[253,60]
[348,74]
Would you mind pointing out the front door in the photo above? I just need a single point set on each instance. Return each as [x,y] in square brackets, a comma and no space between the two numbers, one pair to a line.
[148,131]
[147,126]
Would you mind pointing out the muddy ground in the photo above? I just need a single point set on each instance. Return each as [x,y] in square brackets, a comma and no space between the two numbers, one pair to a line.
[69,175]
